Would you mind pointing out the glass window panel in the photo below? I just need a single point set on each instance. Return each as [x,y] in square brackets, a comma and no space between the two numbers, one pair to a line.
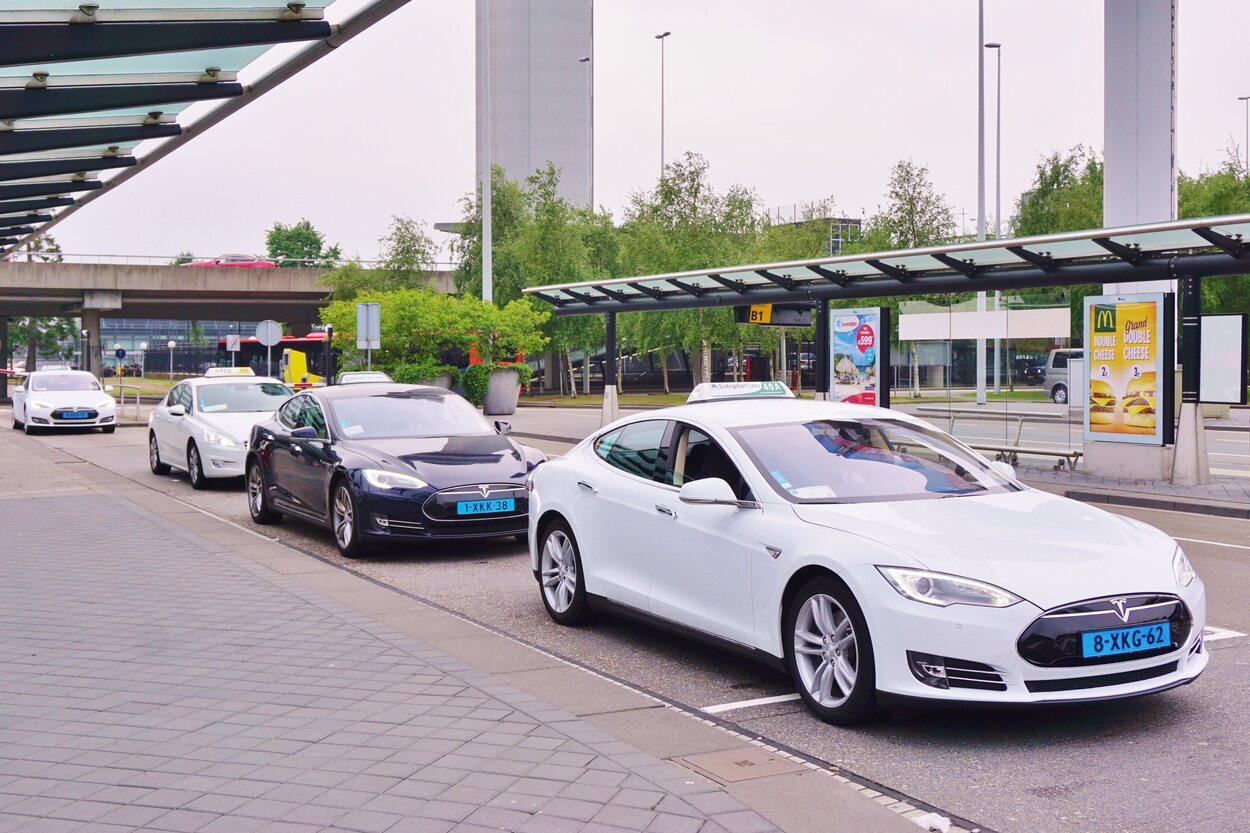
[232,59]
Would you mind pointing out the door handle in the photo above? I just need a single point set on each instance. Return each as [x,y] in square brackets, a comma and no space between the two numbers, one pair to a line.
[295,449]
[666,510]
[590,487]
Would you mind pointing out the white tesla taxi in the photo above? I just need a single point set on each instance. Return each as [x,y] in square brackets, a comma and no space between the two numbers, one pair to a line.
[872,556]
[63,399]
[203,424]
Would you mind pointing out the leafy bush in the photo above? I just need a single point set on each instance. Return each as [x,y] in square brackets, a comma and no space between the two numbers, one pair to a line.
[476,379]
[421,371]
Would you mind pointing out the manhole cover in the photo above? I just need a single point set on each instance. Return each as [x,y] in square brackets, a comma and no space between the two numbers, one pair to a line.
[730,765]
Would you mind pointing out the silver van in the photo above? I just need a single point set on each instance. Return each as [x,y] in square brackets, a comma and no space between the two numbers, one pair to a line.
[1055,380]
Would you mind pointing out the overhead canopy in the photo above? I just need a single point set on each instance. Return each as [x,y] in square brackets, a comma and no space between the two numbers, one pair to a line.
[82,84]
[1206,246]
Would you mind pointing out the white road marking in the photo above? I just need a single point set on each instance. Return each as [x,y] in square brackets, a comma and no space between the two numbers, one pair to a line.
[1213,543]
[1213,634]
[1231,472]
[746,704]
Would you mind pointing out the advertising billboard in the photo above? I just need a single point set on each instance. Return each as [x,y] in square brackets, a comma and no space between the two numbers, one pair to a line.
[1224,350]
[861,350]
[1129,346]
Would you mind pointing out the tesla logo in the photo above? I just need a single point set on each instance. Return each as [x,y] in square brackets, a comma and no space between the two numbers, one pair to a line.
[1121,608]
[485,490]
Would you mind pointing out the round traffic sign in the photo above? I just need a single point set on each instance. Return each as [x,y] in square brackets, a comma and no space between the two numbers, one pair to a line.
[120,353]
[269,332]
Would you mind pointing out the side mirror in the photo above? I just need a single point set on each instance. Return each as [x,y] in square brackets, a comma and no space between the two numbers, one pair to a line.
[503,426]
[713,491]
[1003,468]
[175,410]
[307,434]
[108,388]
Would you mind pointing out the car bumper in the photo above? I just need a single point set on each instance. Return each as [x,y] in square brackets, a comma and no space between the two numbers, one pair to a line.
[398,518]
[984,640]
[43,417]
[222,462]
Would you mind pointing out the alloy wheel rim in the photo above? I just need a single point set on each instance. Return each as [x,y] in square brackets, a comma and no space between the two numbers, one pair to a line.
[826,651]
[195,465]
[154,456]
[344,517]
[255,490]
[558,571]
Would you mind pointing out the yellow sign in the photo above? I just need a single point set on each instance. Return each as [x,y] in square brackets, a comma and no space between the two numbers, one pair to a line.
[761,314]
[1124,348]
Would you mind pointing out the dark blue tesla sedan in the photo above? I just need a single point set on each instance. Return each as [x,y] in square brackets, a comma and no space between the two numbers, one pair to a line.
[379,463]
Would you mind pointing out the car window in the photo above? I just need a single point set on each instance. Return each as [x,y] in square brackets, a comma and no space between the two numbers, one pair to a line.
[239,397]
[184,398]
[637,448]
[699,457]
[288,414]
[1060,360]
[311,416]
[64,382]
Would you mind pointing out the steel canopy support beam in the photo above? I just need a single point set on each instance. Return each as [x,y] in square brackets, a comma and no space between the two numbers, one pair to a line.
[5,222]
[34,141]
[966,267]
[688,288]
[581,296]
[648,290]
[551,299]
[899,273]
[20,230]
[612,293]
[53,167]
[46,189]
[736,286]
[23,103]
[7,241]
[1041,260]
[34,43]
[780,280]
[1128,254]
[18,206]
[1234,246]
[838,276]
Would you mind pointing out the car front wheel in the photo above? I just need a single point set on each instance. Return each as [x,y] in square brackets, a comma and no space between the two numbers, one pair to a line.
[195,468]
[561,577]
[343,522]
[829,652]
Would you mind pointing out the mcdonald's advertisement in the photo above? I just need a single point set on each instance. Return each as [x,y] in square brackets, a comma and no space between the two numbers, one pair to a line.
[1128,347]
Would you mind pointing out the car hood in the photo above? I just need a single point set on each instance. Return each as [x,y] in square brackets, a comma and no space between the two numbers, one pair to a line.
[236,426]
[69,398]
[1047,549]
[444,462]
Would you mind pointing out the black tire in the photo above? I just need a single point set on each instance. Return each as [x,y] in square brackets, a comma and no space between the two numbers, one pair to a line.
[28,428]
[1059,394]
[195,467]
[108,429]
[258,495]
[860,703]
[558,535]
[345,520]
[154,457]
[15,425]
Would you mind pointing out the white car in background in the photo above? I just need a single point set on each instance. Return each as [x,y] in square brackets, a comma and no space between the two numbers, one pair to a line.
[870,555]
[203,425]
[63,399]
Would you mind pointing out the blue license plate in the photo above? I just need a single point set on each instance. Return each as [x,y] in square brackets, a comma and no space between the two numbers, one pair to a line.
[485,507]
[1130,640]
[74,415]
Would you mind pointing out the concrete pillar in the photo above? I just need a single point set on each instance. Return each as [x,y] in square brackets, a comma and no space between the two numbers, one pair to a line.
[91,356]
[4,346]
[611,409]
[1190,466]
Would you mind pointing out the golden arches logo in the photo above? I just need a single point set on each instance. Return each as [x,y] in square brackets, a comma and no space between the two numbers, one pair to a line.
[1104,318]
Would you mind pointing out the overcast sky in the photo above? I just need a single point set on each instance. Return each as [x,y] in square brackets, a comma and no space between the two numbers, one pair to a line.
[797,100]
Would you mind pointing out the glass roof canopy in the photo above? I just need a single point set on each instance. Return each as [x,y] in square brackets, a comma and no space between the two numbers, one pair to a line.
[83,84]
[1199,247]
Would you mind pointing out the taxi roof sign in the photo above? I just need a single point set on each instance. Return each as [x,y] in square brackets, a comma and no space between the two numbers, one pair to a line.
[720,391]
[217,372]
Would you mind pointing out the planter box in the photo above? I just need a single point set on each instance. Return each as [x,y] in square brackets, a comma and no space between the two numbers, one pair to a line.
[502,392]
[443,381]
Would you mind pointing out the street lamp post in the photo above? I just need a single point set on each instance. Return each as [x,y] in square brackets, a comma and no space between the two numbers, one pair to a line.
[171,344]
[661,37]
[590,119]
[980,183]
[998,195]
[1246,99]
[488,279]
[143,359]
[117,346]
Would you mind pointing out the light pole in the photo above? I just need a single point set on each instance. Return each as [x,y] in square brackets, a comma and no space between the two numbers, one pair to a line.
[143,359]
[590,120]
[171,344]
[980,183]
[117,346]
[998,195]
[1246,99]
[85,346]
[488,280]
[661,37]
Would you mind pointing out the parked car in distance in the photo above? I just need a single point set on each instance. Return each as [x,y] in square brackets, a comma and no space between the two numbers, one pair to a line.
[63,399]
[1033,374]
[354,377]
[240,261]
[1055,378]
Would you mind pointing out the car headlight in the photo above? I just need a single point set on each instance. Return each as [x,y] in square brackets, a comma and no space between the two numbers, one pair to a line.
[218,439]
[105,403]
[1183,570]
[944,590]
[379,479]
[40,403]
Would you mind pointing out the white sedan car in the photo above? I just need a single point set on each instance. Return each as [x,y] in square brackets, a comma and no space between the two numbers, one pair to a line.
[63,399]
[202,426]
[870,555]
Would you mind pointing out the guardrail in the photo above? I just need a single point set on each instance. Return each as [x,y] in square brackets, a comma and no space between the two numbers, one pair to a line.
[1010,453]
[169,260]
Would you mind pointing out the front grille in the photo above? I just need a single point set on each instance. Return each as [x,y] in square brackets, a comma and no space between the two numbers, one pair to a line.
[440,507]
[60,413]
[1053,639]
[404,526]
[1101,680]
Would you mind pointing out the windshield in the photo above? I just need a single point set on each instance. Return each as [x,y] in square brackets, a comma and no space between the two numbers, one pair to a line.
[849,461]
[68,381]
[241,397]
[414,413]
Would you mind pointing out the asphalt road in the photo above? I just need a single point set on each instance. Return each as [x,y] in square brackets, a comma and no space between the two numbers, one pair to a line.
[1178,761]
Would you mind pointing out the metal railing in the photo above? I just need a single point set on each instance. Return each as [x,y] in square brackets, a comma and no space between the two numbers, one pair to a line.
[170,260]
[121,400]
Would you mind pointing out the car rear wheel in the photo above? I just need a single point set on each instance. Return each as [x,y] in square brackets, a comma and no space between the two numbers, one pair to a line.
[829,652]
[343,521]
[154,457]
[1059,395]
[258,496]
[195,468]
[560,575]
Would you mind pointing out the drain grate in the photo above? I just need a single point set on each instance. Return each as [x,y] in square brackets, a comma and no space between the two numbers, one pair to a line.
[730,765]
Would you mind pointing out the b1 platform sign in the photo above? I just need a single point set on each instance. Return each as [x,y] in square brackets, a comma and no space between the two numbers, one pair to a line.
[860,355]
[1129,344]
[774,315]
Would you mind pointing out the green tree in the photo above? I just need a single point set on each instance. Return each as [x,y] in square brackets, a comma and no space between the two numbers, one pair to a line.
[300,244]
[407,258]
[182,258]
[50,336]
[1225,190]
[507,215]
